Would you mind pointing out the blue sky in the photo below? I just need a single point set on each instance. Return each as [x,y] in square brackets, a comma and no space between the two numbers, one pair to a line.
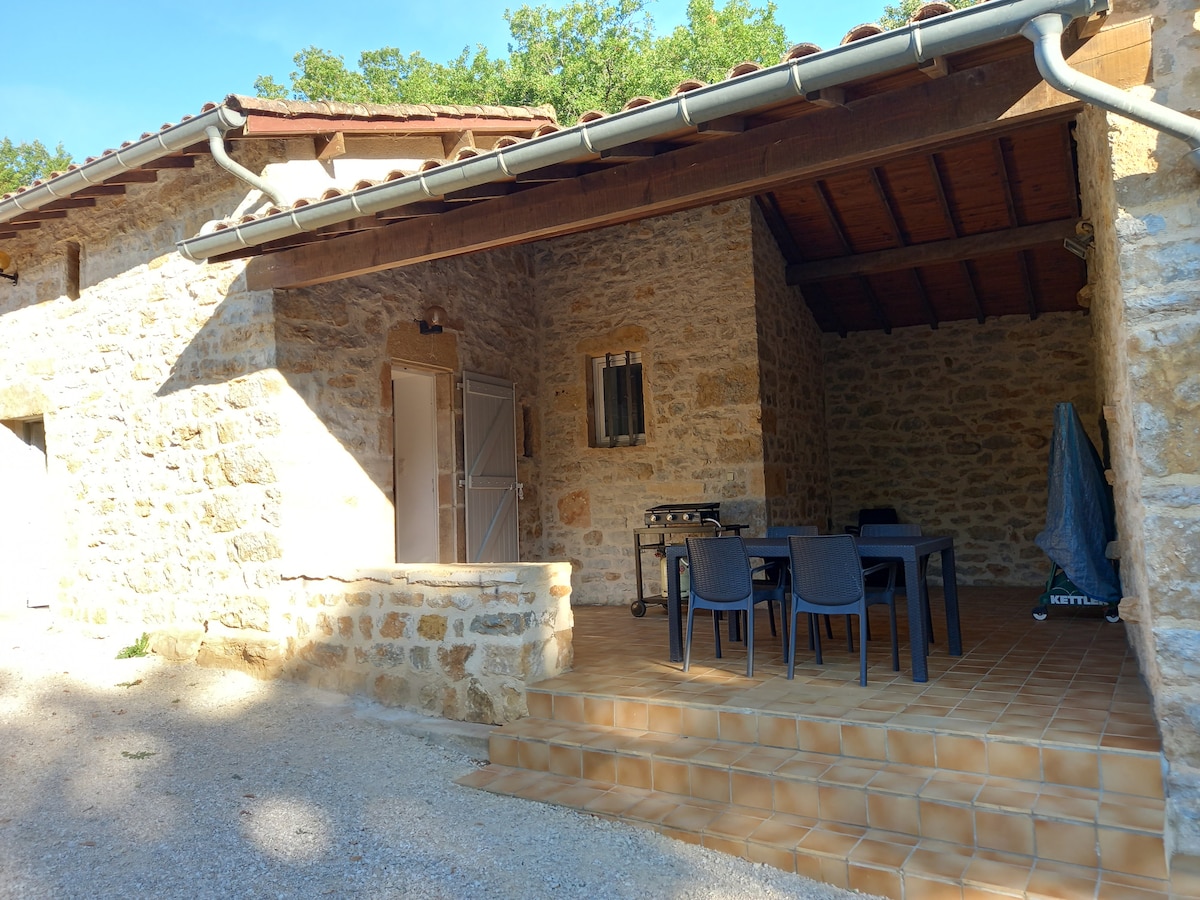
[93,76]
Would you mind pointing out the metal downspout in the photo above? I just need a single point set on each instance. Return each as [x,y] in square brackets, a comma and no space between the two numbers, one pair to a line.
[1045,33]
[216,146]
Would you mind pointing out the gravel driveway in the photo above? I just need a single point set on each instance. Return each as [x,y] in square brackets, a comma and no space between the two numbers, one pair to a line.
[136,778]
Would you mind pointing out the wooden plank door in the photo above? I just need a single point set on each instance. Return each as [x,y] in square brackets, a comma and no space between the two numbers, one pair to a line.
[490,461]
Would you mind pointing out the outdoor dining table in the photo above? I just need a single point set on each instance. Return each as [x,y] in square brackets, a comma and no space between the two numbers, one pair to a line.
[904,548]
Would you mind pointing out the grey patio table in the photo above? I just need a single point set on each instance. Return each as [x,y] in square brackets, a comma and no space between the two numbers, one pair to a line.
[907,549]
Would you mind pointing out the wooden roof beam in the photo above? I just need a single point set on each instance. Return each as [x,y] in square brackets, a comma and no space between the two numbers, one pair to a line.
[934,252]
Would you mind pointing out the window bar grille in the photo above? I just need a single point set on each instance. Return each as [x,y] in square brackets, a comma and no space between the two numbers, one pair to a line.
[629,411]
[610,403]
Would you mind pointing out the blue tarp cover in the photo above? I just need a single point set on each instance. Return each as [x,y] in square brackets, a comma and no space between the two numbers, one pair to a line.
[1079,514]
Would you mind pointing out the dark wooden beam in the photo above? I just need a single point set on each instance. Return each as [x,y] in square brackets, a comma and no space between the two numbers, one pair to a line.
[923,295]
[634,151]
[37,215]
[481,192]
[414,211]
[554,173]
[723,125]
[831,216]
[134,176]
[172,162]
[1027,284]
[101,190]
[876,307]
[934,252]
[784,239]
[75,202]
[964,106]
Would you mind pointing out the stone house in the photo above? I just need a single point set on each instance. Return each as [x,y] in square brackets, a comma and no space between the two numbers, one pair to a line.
[247,354]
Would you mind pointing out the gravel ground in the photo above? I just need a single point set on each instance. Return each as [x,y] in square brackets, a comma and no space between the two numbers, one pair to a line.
[136,778]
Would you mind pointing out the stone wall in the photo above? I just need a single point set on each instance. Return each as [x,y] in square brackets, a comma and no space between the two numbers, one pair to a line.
[155,388]
[952,428]
[795,445]
[1144,200]
[460,642]
[680,290]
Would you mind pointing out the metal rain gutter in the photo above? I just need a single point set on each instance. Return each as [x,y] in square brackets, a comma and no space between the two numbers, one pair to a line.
[137,154]
[1045,33]
[938,36]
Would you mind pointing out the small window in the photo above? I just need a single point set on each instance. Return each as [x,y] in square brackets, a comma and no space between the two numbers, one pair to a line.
[618,406]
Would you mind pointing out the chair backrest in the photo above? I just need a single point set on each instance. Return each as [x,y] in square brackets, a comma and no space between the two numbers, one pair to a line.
[826,569]
[782,531]
[719,570]
[893,530]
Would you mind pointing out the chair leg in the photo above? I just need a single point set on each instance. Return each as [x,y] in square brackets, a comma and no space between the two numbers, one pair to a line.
[771,616]
[791,646]
[717,629]
[862,647]
[895,643]
[687,638]
[750,640]
[850,632]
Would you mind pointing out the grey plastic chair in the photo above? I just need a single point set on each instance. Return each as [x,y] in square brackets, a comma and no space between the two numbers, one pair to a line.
[905,530]
[720,581]
[827,578]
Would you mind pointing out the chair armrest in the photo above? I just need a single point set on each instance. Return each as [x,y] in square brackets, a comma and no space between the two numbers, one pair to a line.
[879,567]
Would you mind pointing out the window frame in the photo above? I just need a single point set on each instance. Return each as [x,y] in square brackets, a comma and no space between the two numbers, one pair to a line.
[600,436]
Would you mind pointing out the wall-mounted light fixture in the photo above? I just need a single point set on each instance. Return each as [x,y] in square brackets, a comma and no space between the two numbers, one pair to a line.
[1084,236]
[432,320]
[5,262]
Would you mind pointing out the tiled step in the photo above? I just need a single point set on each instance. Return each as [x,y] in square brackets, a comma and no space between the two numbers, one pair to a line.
[1081,762]
[1087,827]
[872,860]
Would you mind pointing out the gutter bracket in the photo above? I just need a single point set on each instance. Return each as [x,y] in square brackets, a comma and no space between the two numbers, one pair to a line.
[1045,33]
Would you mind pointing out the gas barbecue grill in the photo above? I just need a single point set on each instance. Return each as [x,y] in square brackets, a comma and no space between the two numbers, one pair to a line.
[671,523]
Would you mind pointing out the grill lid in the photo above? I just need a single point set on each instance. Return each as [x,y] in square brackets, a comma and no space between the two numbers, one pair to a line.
[682,513]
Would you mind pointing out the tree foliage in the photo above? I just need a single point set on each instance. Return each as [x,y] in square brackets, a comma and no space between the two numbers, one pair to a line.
[588,54]
[22,164]
[898,15]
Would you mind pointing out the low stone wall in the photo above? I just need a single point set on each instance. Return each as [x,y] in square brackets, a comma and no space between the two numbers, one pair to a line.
[460,642]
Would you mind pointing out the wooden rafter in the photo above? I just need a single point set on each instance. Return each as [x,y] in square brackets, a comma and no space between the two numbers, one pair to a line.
[934,252]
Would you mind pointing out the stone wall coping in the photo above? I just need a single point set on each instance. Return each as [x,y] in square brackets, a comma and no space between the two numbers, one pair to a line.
[434,574]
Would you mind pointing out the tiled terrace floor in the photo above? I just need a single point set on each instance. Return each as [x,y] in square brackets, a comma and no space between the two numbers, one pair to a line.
[1069,679]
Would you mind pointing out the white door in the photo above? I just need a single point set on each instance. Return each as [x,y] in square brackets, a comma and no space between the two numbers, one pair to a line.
[27,545]
[415,465]
[490,451]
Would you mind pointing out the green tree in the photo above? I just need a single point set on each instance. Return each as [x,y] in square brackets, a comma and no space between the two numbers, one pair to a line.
[898,15]
[587,54]
[22,164]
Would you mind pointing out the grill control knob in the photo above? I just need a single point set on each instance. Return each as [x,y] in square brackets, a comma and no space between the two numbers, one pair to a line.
[654,517]
[670,517]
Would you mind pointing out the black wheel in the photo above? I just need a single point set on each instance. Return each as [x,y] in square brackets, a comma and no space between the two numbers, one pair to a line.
[1112,616]
[1040,613]
[638,608]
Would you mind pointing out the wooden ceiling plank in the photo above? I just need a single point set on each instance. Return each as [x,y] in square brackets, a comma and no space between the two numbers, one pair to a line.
[75,202]
[635,151]
[831,216]
[889,209]
[953,250]
[784,238]
[968,104]
[1006,191]
[939,189]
